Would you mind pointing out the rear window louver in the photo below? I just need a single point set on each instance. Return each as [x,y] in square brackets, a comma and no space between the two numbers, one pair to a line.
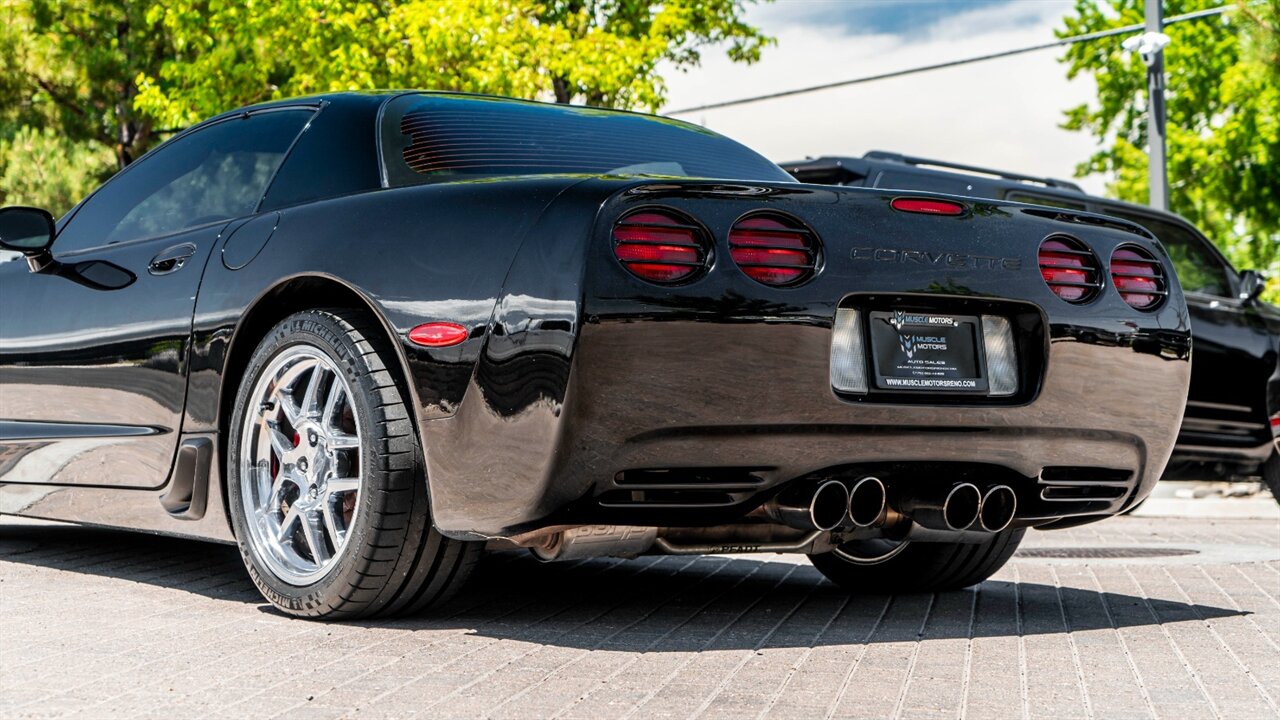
[443,137]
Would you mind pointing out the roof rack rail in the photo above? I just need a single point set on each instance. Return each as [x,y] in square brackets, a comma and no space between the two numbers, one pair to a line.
[841,170]
[911,160]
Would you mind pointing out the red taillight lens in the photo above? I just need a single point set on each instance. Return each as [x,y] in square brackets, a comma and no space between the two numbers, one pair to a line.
[438,334]
[1138,277]
[927,206]
[1069,269]
[774,249]
[660,246]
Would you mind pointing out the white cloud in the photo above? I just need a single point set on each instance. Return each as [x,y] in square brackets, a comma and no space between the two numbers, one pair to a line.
[1000,113]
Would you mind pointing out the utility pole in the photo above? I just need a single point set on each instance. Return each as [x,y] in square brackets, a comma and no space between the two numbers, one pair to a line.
[1150,47]
[1157,168]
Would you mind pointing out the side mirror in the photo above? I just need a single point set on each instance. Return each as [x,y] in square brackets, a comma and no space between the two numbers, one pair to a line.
[1252,283]
[28,231]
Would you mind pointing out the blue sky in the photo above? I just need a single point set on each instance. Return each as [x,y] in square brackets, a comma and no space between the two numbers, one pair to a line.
[865,17]
[1003,114]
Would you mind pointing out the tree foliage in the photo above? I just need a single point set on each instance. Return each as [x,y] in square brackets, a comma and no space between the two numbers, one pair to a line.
[1223,104]
[57,173]
[115,74]
[602,52]
[69,65]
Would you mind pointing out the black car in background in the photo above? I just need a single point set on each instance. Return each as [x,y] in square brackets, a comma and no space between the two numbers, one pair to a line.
[1232,424]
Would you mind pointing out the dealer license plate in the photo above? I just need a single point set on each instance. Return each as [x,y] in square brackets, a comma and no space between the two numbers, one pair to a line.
[915,351]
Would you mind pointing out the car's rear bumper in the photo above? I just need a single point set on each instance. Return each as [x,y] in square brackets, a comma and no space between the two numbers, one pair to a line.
[727,411]
[601,398]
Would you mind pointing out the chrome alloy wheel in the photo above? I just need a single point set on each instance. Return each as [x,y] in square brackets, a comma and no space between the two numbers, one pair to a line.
[300,465]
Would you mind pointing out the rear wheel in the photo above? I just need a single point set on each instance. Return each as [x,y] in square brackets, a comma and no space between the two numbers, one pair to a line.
[888,566]
[326,486]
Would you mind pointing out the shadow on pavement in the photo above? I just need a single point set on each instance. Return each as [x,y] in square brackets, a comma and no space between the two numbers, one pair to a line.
[651,604]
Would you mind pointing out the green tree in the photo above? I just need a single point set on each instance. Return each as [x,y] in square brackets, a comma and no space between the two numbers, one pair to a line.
[601,52]
[1223,103]
[67,119]
[116,73]
[51,172]
[70,66]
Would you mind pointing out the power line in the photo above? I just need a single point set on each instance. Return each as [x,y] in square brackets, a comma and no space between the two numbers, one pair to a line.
[1087,37]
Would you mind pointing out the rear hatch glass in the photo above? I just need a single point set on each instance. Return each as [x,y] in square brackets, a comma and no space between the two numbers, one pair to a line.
[434,138]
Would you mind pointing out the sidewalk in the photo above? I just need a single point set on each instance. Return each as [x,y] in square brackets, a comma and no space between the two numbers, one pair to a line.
[1210,500]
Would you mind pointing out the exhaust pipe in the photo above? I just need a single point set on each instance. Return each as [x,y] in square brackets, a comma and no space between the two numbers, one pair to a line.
[998,507]
[588,541]
[867,500]
[823,508]
[956,510]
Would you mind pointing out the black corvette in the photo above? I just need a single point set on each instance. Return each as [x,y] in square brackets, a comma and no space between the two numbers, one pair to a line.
[366,335]
[1231,428]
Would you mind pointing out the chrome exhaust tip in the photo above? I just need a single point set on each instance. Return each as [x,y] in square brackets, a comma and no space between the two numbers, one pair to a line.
[807,507]
[829,505]
[961,508]
[867,500]
[999,505]
[955,510]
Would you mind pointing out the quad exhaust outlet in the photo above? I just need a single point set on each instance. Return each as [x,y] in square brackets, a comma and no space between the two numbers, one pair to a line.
[823,507]
[808,513]
[954,510]
[867,502]
[999,504]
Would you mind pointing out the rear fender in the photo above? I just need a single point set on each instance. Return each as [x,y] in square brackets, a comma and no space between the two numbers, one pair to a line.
[421,254]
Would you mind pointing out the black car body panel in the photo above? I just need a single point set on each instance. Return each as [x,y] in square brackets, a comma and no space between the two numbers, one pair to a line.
[1230,427]
[583,394]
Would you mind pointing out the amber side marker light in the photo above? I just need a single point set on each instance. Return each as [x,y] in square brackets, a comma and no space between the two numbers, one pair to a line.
[927,206]
[438,334]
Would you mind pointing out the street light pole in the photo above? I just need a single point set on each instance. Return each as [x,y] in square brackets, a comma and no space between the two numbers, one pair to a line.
[1157,163]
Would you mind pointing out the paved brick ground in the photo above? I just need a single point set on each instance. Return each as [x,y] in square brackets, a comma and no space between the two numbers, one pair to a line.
[101,624]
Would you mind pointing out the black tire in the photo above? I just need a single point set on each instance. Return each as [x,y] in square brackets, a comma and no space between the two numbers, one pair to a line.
[918,566]
[1271,474]
[393,561]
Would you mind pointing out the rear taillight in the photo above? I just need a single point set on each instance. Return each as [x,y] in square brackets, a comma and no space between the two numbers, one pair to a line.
[660,246]
[1138,277]
[1069,269]
[774,249]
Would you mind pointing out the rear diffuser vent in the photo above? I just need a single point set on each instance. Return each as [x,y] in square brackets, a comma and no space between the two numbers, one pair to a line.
[683,487]
[1083,483]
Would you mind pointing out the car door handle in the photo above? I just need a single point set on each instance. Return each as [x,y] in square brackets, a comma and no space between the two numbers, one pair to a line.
[171,259]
